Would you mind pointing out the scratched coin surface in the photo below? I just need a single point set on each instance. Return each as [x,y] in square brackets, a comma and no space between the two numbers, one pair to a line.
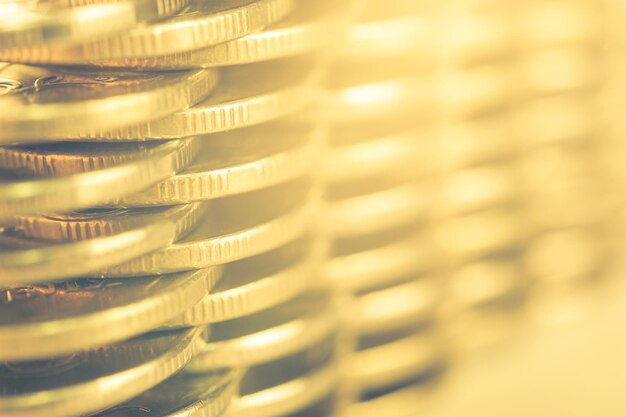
[69,177]
[94,379]
[43,320]
[38,103]
[199,25]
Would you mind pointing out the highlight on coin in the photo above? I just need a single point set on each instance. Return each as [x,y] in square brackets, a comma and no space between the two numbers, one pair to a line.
[296,208]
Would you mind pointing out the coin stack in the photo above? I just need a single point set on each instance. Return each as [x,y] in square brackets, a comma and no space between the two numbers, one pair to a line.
[477,218]
[561,129]
[377,184]
[160,204]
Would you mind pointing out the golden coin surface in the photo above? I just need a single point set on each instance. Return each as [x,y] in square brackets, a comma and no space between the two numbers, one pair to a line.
[161,8]
[200,25]
[45,320]
[246,95]
[258,283]
[26,261]
[206,395]
[237,162]
[234,228]
[66,177]
[306,378]
[38,103]
[95,223]
[25,25]
[308,29]
[95,379]
[272,334]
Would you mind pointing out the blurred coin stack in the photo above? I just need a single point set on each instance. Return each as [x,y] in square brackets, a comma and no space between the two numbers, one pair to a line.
[378,192]
[160,202]
[477,217]
[562,131]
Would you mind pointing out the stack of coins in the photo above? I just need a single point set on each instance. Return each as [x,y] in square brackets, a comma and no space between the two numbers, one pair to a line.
[377,188]
[477,218]
[562,131]
[161,247]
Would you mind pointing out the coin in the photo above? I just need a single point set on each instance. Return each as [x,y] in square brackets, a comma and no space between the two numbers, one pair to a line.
[25,261]
[200,25]
[95,223]
[237,162]
[359,270]
[303,386]
[24,25]
[51,319]
[247,95]
[258,283]
[235,228]
[105,376]
[374,157]
[391,363]
[163,7]
[378,211]
[272,334]
[308,29]
[37,103]
[396,306]
[82,176]
[207,395]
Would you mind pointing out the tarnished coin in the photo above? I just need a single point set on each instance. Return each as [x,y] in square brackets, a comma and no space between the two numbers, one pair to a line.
[359,270]
[200,25]
[259,283]
[25,261]
[237,162]
[96,223]
[24,24]
[270,335]
[235,227]
[378,211]
[38,103]
[80,176]
[206,395]
[309,28]
[39,321]
[247,95]
[288,385]
[92,380]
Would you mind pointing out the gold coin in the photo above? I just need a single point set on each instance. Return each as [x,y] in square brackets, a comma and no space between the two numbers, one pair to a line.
[396,306]
[258,283]
[95,223]
[25,261]
[162,7]
[394,362]
[360,270]
[221,237]
[37,103]
[26,26]
[378,211]
[46,320]
[94,379]
[237,162]
[206,395]
[309,377]
[200,25]
[246,95]
[272,334]
[309,28]
[81,176]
